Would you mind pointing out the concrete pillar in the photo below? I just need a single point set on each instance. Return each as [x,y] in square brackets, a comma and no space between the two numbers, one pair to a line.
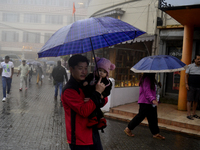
[186,58]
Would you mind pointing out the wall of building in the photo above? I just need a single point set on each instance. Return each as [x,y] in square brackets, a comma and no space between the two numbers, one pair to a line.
[44,29]
[121,96]
[141,14]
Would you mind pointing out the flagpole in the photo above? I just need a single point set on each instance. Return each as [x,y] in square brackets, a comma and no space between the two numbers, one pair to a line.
[74,18]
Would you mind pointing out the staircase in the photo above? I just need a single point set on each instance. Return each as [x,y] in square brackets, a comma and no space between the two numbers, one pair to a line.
[169,118]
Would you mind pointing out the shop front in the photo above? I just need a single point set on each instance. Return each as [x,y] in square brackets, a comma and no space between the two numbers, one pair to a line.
[171,43]
[124,56]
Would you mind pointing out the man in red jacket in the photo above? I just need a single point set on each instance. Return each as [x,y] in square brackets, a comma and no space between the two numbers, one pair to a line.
[78,108]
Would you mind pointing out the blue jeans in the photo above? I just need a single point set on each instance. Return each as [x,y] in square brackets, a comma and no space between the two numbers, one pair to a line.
[6,82]
[60,86]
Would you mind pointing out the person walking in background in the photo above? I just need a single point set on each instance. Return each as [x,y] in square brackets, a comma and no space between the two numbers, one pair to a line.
[45,68]
[58,74]
[147,106]
[30,72]
[8,70]
[192,83]
[50,71]
[24,70]
[39,73]
[78,108]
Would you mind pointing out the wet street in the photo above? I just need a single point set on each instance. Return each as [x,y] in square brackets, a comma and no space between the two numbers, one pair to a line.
[32,120]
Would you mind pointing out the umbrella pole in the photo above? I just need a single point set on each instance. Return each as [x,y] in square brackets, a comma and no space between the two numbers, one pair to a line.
[94,57]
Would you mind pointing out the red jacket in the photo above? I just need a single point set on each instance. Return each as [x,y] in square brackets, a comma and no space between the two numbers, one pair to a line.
[77,112]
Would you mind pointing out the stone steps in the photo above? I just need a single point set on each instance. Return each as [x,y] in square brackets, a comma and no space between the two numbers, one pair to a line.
[163,123]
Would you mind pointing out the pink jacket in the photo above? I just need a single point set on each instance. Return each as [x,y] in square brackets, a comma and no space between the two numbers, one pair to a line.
[146,94]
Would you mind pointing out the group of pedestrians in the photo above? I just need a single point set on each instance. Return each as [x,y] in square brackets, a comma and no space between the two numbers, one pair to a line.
[84,95]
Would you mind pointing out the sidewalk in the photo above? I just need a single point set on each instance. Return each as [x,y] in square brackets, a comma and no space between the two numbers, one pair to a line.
[169,117]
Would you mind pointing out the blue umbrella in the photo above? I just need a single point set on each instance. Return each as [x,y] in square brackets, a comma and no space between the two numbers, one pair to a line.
[159,63]
[87,35]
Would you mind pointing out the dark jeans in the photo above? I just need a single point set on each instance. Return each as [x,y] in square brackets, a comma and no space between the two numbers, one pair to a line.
[146,110]
[96,146]
[6,82]
[60,86]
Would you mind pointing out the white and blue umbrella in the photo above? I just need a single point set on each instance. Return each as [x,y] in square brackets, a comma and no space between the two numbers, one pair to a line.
[88,35]
[158,64]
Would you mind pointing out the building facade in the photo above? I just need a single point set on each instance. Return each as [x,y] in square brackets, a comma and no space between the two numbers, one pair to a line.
[180,39]
[25,25]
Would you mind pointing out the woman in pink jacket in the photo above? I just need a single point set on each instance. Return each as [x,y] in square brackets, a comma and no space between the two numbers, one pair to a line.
[147,106]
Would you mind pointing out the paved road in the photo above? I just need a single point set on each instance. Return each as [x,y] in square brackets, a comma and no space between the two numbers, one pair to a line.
[32,120]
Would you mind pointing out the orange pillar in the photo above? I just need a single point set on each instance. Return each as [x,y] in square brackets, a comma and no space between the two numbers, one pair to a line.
[186,58]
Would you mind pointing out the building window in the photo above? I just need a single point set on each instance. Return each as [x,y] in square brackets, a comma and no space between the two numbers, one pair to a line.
[32,18]
[31,37]
[47,36]
[32,2]
[79,18]
[10,36]
[54,19]
[125,59]
[52,2]
[70,19]
[11,17]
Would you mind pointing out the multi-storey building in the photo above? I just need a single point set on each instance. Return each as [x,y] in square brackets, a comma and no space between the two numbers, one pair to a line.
[25,25]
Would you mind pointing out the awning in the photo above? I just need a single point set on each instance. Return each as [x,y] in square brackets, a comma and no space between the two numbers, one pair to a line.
[142,38]
[116,11]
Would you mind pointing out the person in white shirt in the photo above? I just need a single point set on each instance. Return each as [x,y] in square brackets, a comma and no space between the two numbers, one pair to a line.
[24,69]
[7,70]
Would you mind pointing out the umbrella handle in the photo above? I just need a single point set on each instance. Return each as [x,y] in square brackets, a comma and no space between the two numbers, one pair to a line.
[94,57]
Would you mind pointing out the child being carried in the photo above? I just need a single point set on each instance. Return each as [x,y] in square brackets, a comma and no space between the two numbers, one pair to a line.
[104,65]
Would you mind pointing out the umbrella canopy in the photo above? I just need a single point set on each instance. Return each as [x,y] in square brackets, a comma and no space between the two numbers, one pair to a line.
[159,63]
[51,63]
[43,60]
[35,63]
[87,35]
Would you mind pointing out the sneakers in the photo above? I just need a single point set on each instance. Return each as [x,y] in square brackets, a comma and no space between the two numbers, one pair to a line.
[4,99]
[7,95]
[20,89]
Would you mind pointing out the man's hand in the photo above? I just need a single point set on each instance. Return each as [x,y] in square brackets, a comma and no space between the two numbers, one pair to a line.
[100,87]
[86,99]
[187,86]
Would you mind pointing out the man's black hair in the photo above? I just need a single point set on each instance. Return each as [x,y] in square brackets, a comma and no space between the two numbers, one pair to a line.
[59,63]
[75,59]
[7,57]
[197,55]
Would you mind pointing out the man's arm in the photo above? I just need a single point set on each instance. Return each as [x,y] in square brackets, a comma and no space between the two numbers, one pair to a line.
[28,70]
[65,74]
[12,65]
[72,99]
[18,72]
[186,81]
[53,73]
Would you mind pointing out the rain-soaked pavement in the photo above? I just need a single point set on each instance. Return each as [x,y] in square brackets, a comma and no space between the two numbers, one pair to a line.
[32,120]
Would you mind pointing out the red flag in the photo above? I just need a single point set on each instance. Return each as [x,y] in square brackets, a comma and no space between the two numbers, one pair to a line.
[73,8]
